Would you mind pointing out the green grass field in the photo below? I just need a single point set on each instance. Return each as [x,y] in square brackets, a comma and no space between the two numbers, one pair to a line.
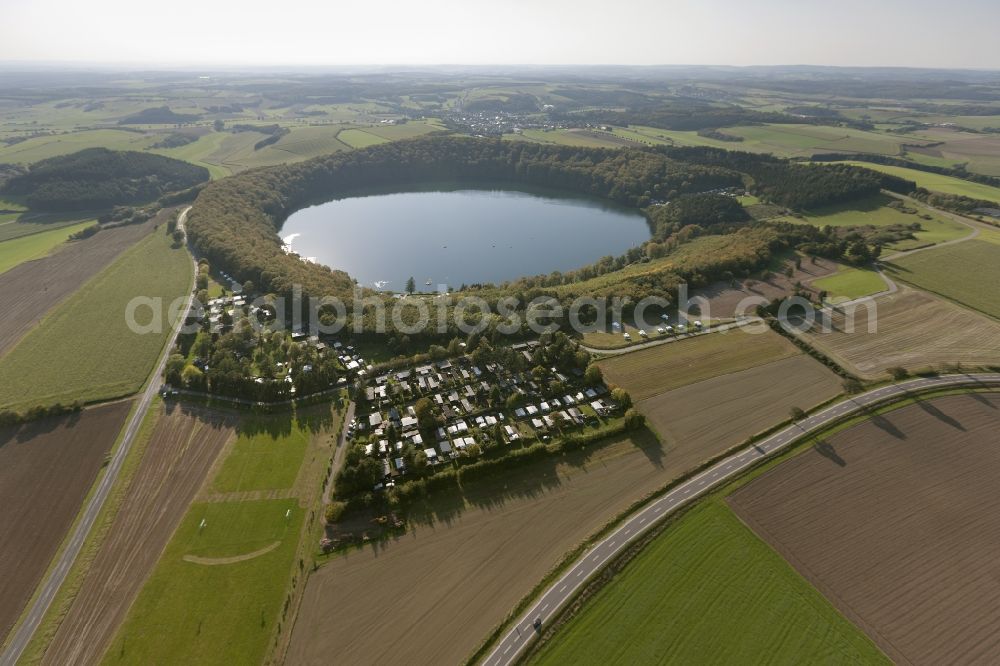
[937,183]
[84,349]
[26,248]
[851,283]
[224,613]
[875,212]
[708,590]
[967,273]
[263,460]
[359,138]
[18,225]
[42,147]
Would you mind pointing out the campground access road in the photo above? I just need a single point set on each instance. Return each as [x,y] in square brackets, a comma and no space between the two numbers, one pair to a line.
[39,605]
[510,647]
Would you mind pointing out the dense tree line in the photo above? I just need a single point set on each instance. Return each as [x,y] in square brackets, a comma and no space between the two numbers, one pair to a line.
[706,210]
[101,178]
[800,186]
[161,115]
[234,222]
[956,172]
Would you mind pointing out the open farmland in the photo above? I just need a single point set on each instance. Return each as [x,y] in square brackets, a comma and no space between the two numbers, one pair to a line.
[979,153]
[913,330]
[650,372]
[468,558]
[46,469]
[263,458]
[216,593]
[84,350]
[707,590]
[896,522]
[32,289]
[43,147]
[851,283]
[939,183]
[181,450]
[26,248]
[224,586]
[359,138]
[875,212]
[723,411]
[968,273]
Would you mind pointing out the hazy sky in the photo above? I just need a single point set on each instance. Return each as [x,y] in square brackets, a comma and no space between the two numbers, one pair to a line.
[919,33]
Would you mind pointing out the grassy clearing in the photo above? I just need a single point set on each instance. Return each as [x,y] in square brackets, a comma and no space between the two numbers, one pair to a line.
[967,273]
[938,183]
[84,349]
[656,370]
[851,283]
[708,590]
[195,613]
[263,458]
[26,248]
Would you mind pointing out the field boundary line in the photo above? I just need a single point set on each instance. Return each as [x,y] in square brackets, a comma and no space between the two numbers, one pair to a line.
[639,521]
[91,509]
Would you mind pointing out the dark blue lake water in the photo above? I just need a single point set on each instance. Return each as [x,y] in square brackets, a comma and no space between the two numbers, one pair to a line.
[460,236]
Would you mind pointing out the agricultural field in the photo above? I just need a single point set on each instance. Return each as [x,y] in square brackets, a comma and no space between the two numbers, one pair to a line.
[84,349]
[225,585]
[913,330]
[263,458]
[778,139]
[19,224]
[967,273]
[875,212]
[359,138]
[725,410]
[894,521]
[32,289]
[938,183]
[707,590]
[978,152]
[40,148]
[851,283]
[182,447]
[468,557]
[217,591]
[46,470]
[649,372]
[19,250]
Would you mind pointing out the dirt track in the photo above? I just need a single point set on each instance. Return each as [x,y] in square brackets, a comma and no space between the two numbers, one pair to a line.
[723,411]
[46,470]
[896,522]
[183,446]
[433,595]
[35,287]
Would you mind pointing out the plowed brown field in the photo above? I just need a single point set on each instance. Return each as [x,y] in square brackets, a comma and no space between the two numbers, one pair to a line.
[33,288]
[897,522]
[182,448]
[440,588]
[721,412]
[46,470]
[914,330]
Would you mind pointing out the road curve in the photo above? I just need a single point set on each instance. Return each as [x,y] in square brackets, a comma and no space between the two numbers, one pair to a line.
[50,586]
[545,608]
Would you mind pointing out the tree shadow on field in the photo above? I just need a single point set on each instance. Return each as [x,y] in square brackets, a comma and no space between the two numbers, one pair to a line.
[983,400]
[883,423]
[826,450]
[931,409]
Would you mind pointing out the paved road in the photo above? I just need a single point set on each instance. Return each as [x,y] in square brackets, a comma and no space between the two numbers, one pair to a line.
[512,644]
[47,592]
